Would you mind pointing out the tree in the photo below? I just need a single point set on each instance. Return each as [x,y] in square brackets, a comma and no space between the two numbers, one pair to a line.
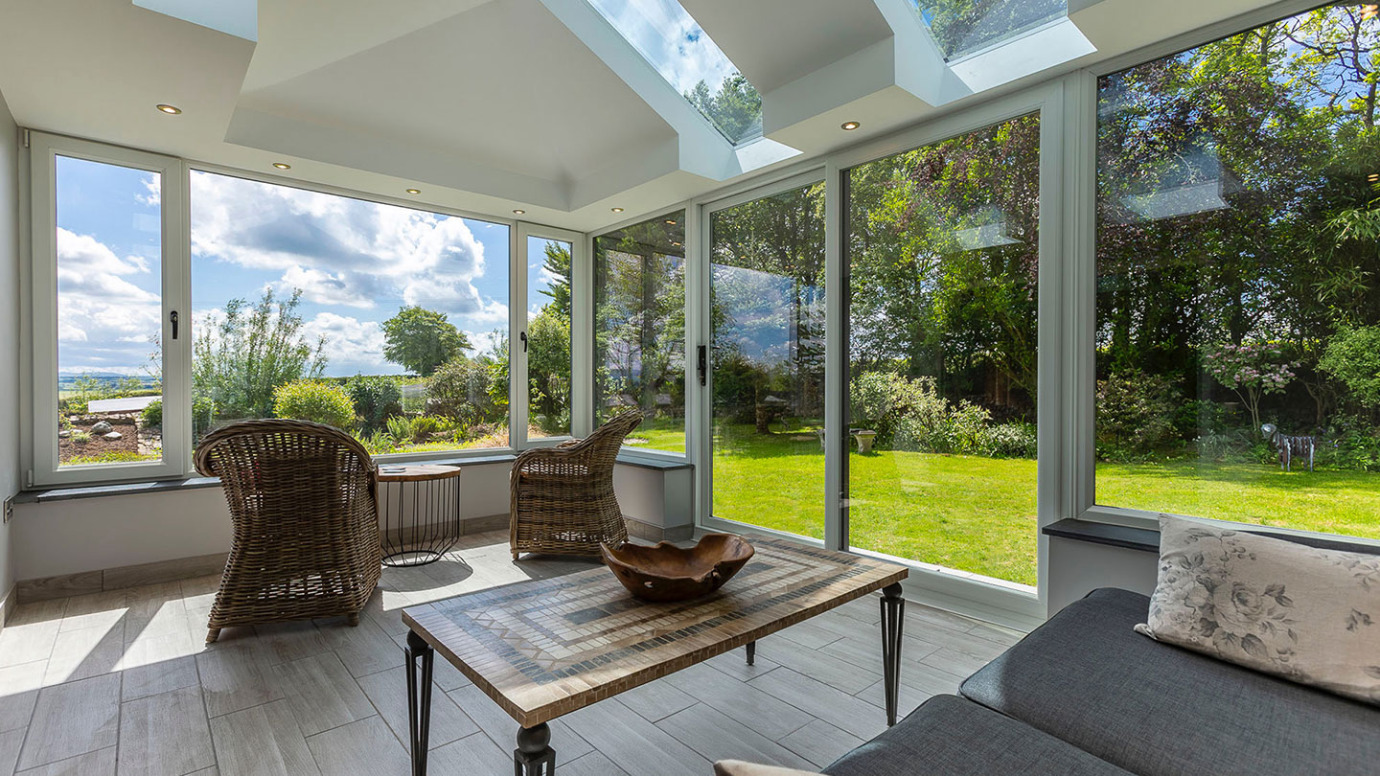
[421,340]
[736,108]
[242,357]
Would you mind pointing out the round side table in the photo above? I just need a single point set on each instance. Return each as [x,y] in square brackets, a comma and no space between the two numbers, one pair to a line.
[420,511]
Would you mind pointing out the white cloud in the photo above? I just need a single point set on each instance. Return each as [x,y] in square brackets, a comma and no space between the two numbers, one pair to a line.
[352,346]
[96,300]
[484,342]
[669,38]
[339,251]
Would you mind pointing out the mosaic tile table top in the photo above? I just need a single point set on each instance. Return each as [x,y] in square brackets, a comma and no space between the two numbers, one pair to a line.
[547,647]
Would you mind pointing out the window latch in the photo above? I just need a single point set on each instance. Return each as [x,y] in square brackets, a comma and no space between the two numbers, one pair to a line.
[172,318]
[702,361]
[523,337]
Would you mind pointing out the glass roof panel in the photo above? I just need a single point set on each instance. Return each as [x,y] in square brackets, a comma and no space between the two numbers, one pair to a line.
[964,26]
[673,42]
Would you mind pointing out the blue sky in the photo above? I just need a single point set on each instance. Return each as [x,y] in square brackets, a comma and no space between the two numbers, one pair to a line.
[357,263]
[670,39]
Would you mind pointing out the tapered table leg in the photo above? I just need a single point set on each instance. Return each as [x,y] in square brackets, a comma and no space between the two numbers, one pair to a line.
[893,617]
[534,755]
[419,699]
[752,653]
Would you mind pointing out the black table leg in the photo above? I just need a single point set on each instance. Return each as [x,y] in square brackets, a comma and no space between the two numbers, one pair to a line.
[419,699]
[752,652]
[534,755]
[893,616]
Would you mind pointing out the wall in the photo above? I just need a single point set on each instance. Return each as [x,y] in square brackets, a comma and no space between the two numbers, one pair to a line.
[9,334]
[74,536]
[1077,568]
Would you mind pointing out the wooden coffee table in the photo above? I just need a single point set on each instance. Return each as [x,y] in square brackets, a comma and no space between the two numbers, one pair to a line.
[547,647]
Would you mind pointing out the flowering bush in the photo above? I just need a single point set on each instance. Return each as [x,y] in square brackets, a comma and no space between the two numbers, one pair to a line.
[1251,370]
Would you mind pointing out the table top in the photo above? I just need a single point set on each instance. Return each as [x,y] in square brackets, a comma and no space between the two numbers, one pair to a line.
[547,647]
[417,473]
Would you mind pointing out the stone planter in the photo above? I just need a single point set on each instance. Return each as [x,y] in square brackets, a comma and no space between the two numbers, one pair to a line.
[865,440]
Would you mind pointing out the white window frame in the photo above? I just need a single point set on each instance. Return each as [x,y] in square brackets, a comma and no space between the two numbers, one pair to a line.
[44,470]
[517,359]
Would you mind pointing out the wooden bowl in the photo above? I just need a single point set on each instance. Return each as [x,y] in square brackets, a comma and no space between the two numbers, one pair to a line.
[669,573]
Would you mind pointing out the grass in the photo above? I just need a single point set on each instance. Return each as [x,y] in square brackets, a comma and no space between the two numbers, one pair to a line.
[978,514]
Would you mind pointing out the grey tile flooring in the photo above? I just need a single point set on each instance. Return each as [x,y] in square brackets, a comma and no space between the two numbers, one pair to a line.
[79,676]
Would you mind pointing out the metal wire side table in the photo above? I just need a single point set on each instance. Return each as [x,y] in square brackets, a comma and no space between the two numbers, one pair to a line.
[421,513]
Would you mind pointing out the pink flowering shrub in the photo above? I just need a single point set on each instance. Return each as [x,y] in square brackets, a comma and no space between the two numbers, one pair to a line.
[1252,370]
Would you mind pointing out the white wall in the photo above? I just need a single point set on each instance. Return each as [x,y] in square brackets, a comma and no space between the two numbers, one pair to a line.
[1076,568]
[9,331]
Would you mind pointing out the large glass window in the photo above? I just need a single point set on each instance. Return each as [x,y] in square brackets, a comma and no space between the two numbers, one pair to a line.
[639,328]
[548,337]
[386,321]
[1238,288]
[109,256]
[943,261]
[767,320]
[963,27]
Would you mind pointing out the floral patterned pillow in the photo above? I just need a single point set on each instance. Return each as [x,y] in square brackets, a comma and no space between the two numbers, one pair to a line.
[1308,615]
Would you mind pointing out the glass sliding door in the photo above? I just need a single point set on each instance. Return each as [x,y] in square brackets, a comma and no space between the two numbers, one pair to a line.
[942,256]
[767,343]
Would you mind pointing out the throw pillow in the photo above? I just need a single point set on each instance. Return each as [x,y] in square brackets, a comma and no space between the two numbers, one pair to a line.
[740,768]
[1308,615]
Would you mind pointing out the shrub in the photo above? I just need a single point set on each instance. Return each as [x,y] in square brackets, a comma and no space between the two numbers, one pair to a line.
[1353,359]
[152,416]
[462,390]
[81,437]
[111,456]
[1135,415]
[1010,440]
[1351,443]
[315,401]
[376,399]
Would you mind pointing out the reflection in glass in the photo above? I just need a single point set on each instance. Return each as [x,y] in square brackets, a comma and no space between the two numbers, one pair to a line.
[109,313]
[639,329]
[548,337]
[767,314]
[943,257]
[1238,278]
[964,26]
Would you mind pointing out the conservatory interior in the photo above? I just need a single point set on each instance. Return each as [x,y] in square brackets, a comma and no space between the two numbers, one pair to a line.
[1027,350]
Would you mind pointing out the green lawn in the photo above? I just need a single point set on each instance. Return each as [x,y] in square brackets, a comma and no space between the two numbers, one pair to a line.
[978,514]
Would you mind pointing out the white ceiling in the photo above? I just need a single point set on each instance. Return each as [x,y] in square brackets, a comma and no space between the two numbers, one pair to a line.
[491,105]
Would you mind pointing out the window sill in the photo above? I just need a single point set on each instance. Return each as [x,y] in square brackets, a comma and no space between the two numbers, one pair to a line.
[1148,540]
[51,495]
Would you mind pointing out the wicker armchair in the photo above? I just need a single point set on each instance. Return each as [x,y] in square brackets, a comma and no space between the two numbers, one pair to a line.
[306,531]
[562,497]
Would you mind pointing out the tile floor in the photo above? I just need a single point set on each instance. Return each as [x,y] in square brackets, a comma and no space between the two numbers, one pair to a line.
[121,682]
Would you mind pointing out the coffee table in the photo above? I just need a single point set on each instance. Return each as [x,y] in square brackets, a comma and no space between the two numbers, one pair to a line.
[547,647]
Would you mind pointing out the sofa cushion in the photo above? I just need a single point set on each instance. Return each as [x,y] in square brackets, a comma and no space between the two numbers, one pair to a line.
[1087,677]
[949,736]
[1306,614]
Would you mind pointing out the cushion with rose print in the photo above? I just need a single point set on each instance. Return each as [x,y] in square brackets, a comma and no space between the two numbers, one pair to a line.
[1306,614]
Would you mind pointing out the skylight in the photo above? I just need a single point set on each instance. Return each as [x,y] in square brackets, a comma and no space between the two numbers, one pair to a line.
[673,43]
[963,27]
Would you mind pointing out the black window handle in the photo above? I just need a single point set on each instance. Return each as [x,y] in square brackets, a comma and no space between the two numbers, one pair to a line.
[172,317]
[702,357]
[523,337]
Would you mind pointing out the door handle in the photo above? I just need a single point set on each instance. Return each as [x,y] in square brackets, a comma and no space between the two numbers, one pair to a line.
[523,337]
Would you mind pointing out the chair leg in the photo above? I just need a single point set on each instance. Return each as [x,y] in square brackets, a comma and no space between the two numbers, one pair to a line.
[352,620]
[212,634]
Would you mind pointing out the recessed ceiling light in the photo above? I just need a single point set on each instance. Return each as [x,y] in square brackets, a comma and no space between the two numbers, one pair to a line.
[850,125]
[282,165]
[616,209]
[171,110]
[519,212]
[414,191]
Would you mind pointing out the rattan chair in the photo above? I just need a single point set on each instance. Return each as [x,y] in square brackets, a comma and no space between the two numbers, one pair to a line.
[303,502]
[562,497]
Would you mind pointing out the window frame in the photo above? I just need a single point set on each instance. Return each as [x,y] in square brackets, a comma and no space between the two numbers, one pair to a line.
[519,388]
[42,452]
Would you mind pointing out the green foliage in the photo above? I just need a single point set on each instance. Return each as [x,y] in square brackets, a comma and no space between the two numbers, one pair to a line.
[735,109]
[376,399]
[81,437]
[242,358]
[1353,359]
[462,390]
[152,416]
[421,340]
[1135,415]
[410,431]
[64,424]
[315,401]
[110,456]
[548,370]
[1010,440]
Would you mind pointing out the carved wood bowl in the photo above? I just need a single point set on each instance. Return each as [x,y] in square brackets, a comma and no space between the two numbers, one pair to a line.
[670,573]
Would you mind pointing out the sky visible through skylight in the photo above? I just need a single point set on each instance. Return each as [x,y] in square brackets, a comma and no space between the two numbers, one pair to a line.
[665,34]
[356,262]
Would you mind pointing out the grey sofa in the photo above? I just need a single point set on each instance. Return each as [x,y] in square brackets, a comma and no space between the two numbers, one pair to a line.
[1085,694]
